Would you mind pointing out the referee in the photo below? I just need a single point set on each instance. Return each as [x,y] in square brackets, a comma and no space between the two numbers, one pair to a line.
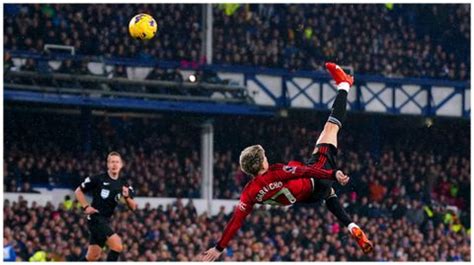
[107,190]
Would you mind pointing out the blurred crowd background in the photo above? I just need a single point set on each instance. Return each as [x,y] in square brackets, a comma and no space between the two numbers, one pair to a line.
[417,192]
[177,233]
[423,40]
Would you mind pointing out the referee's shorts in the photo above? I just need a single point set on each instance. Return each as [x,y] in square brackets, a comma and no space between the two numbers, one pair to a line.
[99,230]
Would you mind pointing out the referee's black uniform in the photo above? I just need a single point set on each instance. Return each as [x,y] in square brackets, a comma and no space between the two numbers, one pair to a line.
[106,193]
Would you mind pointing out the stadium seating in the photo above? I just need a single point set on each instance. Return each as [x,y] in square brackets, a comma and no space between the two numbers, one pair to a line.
[407,185]
[177,233]
[163,153]
[400,43]
[152,152]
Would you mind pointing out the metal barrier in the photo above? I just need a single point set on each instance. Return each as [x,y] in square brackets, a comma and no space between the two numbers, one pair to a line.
[81,84]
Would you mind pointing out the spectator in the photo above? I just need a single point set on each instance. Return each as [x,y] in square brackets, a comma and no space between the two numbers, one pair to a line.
[173,75]
[209,76]
[68,204]
[30,65]
[76,254]
[415,214]
[67,67]
[156,74]
[26,188]
[377,191]
[7,62]
[8,251]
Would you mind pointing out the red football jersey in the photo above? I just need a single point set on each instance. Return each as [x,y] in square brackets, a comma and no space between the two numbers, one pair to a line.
[280,185]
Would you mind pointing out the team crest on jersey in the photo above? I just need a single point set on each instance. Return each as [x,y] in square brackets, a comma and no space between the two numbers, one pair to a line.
[104,193]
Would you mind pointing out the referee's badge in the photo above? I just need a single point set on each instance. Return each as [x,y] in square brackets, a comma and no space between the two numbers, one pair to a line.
[104,193]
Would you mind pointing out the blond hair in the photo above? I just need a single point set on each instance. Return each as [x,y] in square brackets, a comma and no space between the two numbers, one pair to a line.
[251,159]
[113,153]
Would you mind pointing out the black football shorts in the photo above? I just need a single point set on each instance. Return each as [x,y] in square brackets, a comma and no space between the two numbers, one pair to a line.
[324,158]
[99,230]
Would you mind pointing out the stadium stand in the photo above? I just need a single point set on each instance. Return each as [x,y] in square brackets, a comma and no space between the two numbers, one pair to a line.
[415,190]
[401,41]
[152,151]
[177,233]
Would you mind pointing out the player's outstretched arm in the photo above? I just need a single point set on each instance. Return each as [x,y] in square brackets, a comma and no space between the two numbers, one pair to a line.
[237,220]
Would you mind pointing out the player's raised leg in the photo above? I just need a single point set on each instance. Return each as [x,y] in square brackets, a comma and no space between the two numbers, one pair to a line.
[326,145]
[338,110]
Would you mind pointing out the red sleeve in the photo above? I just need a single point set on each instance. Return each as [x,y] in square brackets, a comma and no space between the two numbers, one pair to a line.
[285,172]
[240,213]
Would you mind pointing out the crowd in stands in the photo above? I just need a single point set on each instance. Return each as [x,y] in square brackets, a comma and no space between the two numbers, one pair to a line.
[399,41]
[392,168]
[152,151]
[103,29]
[177,232]
[429,41]
[165,154]
[403,167]
[156,156]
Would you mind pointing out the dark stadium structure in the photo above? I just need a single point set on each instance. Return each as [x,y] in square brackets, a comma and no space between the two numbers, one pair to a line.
[76,87]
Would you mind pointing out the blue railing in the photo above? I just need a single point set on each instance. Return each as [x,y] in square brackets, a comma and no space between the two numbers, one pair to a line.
[278,88]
